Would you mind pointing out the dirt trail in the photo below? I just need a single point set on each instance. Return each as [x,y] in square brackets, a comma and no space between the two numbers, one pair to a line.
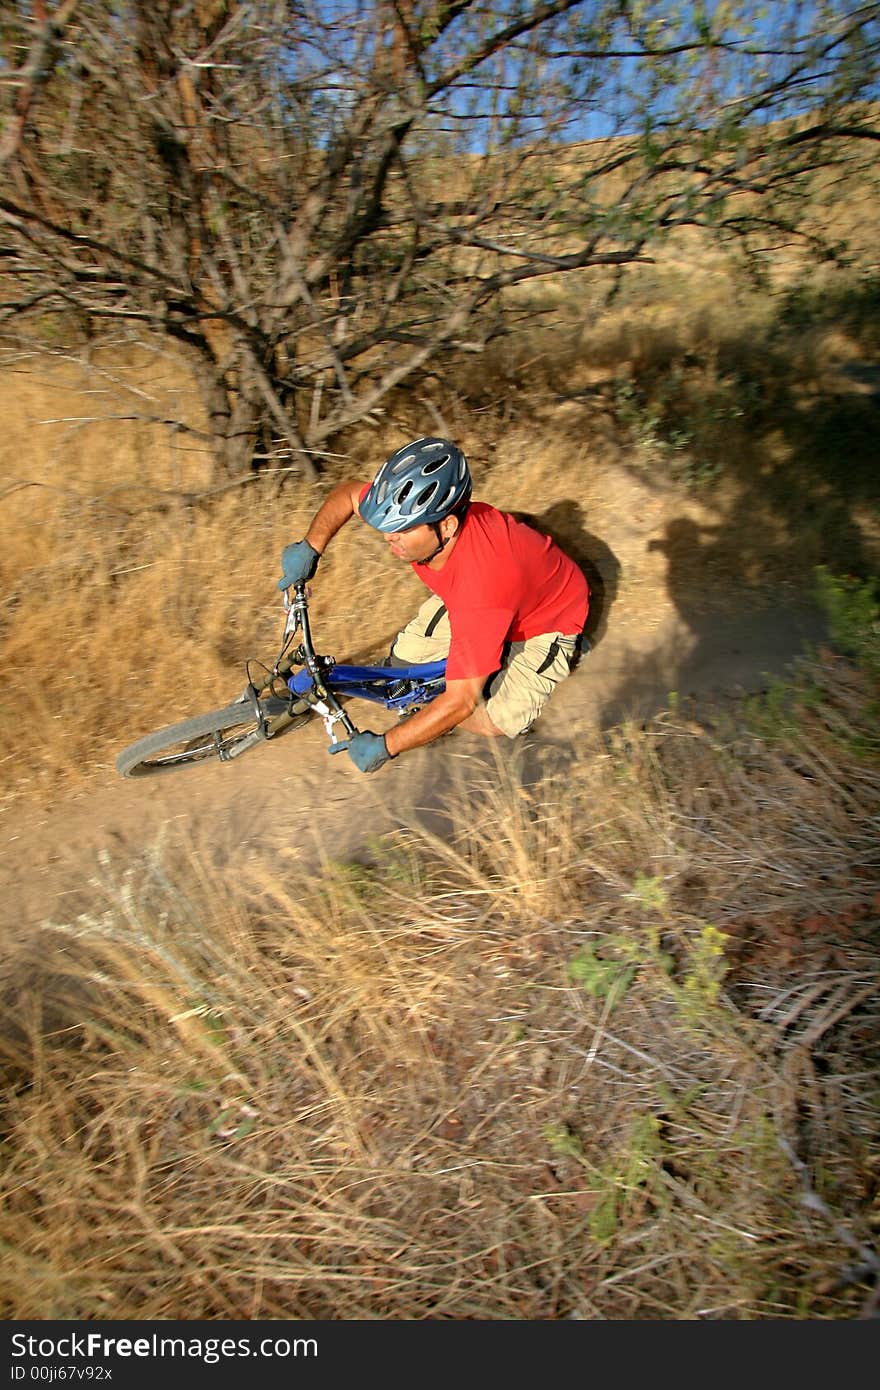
[669,624]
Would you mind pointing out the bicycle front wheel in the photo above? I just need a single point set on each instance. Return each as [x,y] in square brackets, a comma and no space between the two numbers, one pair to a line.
[223,734]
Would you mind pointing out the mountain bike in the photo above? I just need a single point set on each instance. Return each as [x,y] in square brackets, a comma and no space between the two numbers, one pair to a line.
[282,699]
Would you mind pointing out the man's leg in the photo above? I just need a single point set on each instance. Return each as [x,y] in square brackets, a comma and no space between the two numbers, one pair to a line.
[521,689]
[426,637]
[516,694]
[480,723]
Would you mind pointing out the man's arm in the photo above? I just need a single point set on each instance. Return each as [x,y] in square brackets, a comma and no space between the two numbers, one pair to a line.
[336,509]
[299,560]
[458,707]
[453,707]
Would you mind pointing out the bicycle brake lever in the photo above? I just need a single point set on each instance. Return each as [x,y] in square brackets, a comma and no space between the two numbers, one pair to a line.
[330,718]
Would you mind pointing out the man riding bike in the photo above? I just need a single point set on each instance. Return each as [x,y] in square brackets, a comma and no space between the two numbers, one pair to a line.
[507,609]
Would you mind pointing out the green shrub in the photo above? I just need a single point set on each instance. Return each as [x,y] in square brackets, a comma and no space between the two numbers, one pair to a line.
[852,607]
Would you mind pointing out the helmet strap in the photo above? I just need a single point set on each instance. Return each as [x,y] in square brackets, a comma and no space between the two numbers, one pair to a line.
[441,544]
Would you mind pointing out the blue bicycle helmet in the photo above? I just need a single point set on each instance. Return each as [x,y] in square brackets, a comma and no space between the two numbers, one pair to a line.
[418,485]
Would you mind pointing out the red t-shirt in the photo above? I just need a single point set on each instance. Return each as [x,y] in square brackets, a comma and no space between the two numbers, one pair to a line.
[503,582]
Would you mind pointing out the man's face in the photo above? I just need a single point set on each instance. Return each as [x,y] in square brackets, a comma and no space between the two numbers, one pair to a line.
[413,545]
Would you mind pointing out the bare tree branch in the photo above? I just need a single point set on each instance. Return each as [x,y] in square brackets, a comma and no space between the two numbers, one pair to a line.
[45,45]
[322,206]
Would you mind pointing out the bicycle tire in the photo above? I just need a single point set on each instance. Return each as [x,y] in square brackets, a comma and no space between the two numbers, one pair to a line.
[223,734]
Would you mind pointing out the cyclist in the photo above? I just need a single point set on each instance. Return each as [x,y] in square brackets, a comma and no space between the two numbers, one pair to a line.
[507,606]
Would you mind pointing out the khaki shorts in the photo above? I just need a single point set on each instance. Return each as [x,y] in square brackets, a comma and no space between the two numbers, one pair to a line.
[530,671]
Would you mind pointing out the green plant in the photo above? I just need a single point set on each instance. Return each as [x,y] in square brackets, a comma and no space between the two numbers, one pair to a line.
[705,969]
[631,1174]
[673,416]
[600,976]
[773,713]
[564,1142]
[852,607]
[649,892]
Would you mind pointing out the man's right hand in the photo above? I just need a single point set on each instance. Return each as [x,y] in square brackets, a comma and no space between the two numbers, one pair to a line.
[298,563]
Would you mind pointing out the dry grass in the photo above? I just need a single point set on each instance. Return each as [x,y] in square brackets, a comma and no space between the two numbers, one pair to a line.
[118,580]
[608,1053]
[496,1072]
[128,604]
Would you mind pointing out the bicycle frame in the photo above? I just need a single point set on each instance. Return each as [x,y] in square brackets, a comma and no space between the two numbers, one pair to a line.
[321,680]
[377,683]
[263,711]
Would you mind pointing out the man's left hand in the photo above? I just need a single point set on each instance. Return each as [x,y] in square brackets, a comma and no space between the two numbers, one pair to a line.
[367,751]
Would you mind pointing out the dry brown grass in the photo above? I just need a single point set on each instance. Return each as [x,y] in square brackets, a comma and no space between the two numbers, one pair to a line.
[117,578]
[131,603]
[607,1050]
[127,603]
[404,1089]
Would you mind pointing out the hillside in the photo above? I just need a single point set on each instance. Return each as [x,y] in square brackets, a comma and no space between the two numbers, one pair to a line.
[578,1027]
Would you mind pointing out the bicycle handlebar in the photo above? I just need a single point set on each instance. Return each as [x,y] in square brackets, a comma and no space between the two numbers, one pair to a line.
[297,610]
